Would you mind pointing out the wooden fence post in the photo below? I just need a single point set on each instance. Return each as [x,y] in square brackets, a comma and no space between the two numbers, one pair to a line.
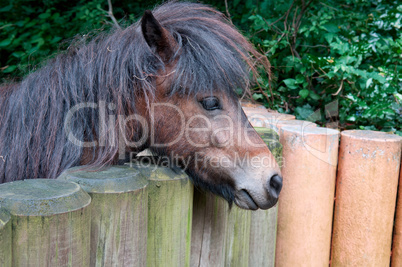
[264,222]
[397,238]
[366,190]
[119,214]
[170,201]
[208,236]
[50,222]
[238,237]
[306,201]
[5,239]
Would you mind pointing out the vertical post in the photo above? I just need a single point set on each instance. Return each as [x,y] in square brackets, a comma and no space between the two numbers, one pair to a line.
[264,222]
[365,198]
[238,237]
[50,222]
[208,236]
[397,239]
[119,214]
[263,237]
[170,199]
[306,201]
[5,239]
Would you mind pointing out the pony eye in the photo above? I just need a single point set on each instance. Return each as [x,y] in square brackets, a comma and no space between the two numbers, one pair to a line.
[210,103]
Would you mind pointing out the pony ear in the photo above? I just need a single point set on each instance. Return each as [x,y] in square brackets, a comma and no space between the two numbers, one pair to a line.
[157,37]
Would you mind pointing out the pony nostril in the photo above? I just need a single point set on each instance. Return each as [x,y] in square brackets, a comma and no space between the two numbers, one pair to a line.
[275,186]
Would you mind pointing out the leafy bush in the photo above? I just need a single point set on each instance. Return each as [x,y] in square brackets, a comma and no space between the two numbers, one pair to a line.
[324,54]
[31,33]
[346,52]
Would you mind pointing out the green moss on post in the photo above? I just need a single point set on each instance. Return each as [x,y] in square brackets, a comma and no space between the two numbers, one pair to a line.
[271,138]
[119,214]
[170,199]
[238,237]
[208,236]
[5,239]
[50,222]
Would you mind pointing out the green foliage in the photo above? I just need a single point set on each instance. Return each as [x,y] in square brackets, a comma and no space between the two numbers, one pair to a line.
[347,51]
[322,52]
[32,32]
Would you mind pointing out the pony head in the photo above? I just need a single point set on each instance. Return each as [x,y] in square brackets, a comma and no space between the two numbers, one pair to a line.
[194,114]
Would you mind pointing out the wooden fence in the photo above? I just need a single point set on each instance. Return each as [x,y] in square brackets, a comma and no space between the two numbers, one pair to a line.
[336,208]
[338,202]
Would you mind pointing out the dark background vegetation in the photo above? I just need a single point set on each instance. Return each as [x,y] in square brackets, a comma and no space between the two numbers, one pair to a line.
[324,54]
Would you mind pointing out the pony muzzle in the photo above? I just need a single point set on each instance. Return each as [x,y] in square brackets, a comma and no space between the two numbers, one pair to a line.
[259,196]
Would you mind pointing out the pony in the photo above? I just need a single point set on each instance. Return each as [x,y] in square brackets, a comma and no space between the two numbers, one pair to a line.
[167,83]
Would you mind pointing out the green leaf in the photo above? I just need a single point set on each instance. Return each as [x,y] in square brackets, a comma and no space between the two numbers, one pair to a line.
[398,97]
[300,78]
[18,54]
[257,96]
[282,89]
[376,77]
[39,40]
[331,74]
[314,96]
[5,42]
[332,28]
[290,83]
[10,69]
[6,8]
[302,113]
[55,39]
[21,23]
[329,37]
[304,93]
[369,82]
[388,111]
[44,15]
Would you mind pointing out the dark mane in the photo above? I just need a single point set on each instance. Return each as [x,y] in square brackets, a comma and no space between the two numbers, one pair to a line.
[114,68]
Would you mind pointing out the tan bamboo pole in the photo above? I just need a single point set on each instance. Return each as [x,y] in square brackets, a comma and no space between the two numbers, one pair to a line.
[170,199]
[397,237]
[5,239]
[307,197]
[366,190]
[50,222]
[208,235]
[119,214]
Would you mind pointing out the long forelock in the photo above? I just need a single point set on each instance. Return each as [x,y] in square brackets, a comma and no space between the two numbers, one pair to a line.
[212,54]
